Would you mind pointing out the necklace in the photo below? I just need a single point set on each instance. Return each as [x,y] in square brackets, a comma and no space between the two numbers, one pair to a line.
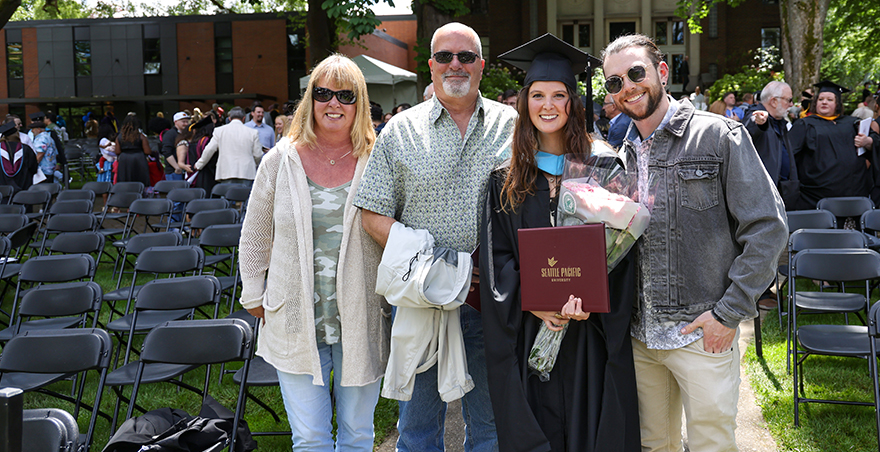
[332,161]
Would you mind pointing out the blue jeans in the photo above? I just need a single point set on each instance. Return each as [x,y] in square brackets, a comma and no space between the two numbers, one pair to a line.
[310,409]
[178,206]
[422,419]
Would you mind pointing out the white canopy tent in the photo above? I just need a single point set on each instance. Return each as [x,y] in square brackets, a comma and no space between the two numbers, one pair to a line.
[388,85]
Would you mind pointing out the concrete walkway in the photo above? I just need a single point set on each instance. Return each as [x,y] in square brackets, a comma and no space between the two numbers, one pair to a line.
[751,433]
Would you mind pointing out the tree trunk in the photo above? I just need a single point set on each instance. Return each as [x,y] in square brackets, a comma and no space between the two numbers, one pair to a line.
[803,22]
[321,33]
[428,19]
[7,9]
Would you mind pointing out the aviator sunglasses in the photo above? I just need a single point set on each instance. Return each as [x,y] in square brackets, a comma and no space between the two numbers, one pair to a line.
[445,57]
[344,96]
[615,83]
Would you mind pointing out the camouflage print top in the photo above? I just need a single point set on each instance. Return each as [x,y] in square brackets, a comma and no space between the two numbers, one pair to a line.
[328,205]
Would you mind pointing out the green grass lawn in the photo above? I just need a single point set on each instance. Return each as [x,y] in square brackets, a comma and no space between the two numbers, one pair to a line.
[167,395]
[823,427]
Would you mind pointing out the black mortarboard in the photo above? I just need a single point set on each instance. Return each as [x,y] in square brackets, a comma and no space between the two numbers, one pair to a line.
[38,116]
[831,87]
[806,95]
[36,125]
[550,59]
[8,129]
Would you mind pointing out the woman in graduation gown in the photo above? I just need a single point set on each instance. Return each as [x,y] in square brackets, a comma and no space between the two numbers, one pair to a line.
[589,402]
[18,160]
[825,145]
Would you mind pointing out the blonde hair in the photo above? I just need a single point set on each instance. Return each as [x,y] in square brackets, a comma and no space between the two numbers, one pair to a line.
[285,124]
[343,72]
[718,107]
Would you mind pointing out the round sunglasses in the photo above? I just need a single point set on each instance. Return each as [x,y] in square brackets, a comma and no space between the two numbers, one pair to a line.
[445,57]
[344,96]
[614,83]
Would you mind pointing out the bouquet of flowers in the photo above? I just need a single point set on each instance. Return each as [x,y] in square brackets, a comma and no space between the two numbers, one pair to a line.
[592,194]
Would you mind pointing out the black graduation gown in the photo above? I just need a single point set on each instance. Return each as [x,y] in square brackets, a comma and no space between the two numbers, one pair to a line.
[590,402]
[20,178]
[827,161]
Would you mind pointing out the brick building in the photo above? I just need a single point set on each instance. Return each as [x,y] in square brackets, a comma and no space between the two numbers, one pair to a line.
[147,65]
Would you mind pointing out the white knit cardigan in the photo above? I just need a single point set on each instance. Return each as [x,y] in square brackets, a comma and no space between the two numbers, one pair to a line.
[277,240]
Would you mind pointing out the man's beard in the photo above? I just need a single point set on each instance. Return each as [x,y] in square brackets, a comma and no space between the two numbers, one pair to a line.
[455,88]
[655,96]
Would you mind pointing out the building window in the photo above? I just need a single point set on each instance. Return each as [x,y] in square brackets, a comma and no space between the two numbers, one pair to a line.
[152,56]
[660,30]
[223,63]
[14,60]
[618,29]
[678,32]
[677,74]
[584,34]
[713,22]
[82,58]
[577,34]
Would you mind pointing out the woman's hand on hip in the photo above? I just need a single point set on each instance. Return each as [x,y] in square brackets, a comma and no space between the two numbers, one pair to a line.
[258,312]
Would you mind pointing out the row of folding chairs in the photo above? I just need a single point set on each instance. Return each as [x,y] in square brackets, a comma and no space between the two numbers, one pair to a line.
[34,361]
[845,265]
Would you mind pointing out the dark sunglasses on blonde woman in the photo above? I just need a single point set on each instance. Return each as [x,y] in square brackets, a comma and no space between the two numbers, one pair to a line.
[344,96]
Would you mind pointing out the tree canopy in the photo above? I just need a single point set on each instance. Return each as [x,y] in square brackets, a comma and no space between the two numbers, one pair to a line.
[852,47]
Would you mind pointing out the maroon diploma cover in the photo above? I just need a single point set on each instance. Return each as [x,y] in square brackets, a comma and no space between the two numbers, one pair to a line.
[557,262]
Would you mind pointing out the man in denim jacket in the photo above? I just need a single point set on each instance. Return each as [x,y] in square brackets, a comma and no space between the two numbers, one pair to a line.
[717,230]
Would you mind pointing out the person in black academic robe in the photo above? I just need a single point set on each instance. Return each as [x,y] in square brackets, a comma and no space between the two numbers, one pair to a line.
[589,402]
[826,157]
[18,162]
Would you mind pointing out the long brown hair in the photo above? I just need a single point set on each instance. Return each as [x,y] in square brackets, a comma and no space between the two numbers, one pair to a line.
[523,171]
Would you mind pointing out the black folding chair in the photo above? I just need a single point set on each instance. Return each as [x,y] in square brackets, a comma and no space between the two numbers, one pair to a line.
[850,207]
[206,218]
[240,194]
[65,222]
[33,198]
[180,197]
[87,242]
[9,222]
[59,306]
[6,191]
[33,360]
[71,195]
[831,340]
[821,301]
[49,429]
[137,245]
[174,348]
[220,242]
[12,208]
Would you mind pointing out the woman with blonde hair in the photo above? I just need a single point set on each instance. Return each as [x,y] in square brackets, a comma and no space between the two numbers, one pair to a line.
[309,269]
[282,127]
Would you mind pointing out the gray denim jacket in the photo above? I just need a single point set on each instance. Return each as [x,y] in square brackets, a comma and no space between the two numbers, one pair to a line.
[718,225]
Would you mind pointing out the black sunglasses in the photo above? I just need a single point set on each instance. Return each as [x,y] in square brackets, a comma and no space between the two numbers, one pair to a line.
[444,57]
[615,83]
[344,96]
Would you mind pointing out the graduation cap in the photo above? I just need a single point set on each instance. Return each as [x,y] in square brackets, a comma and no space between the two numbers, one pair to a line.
[550,59]
[830,87]
[36,125]
[38,116]
[806,94]
[8,129]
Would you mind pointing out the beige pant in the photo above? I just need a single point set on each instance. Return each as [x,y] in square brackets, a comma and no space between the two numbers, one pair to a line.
[705,384]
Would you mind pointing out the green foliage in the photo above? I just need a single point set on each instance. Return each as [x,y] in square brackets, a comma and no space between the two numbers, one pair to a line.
[752,77]
[497,79]
[423,54]
[598,84]
[453,8]
[62,9]
[359,18]
[851,48]
[696,10]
